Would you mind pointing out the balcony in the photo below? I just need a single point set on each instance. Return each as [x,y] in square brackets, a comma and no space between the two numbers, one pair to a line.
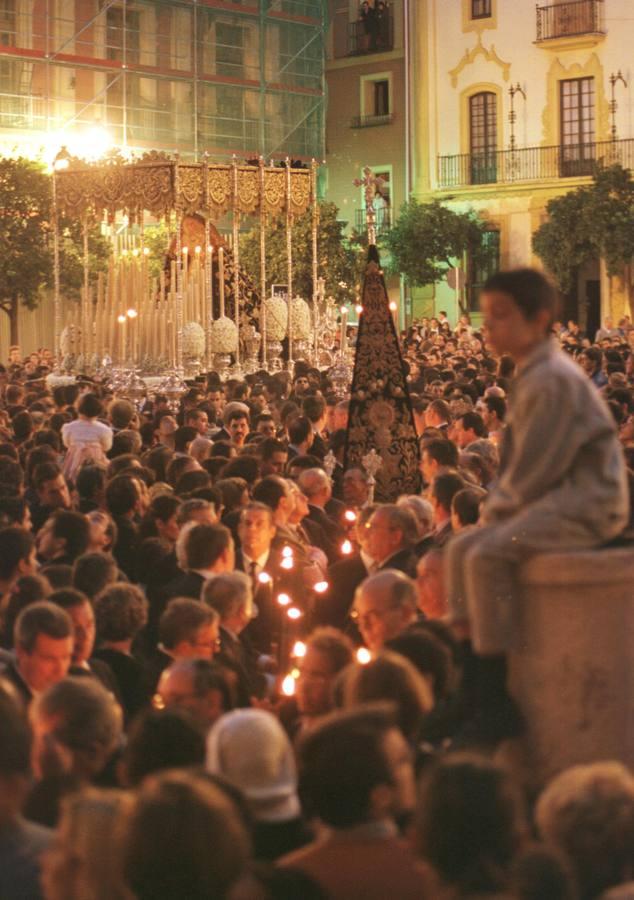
[532,163]
[374,34]
[383,219]
[371,121]
[570,20]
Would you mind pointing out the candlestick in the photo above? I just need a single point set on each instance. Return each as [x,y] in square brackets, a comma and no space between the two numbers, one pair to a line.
[221,276]
[344,322]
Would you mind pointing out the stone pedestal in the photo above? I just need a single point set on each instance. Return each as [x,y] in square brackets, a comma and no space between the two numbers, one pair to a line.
[572,672]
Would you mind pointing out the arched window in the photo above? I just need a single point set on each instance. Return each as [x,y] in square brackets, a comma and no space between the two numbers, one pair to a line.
[483,137]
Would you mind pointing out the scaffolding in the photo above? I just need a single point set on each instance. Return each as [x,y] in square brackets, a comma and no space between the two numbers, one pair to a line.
[226,77]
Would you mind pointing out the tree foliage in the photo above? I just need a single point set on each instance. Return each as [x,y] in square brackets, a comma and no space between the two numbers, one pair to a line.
[589,223]
[427,238]
[337,256]
[26,243]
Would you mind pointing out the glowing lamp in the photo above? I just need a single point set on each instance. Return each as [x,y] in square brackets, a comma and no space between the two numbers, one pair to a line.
[363,656]
[350,516]
[132,314]
[287,562]
[185,251]
[264,578]
[299,650]
[283,599]
[321,587]
[135,252]
[287,551]
[294,613]
[393,306]
[346,548]
[146,251]
[288,686]
[121,319]
[197,250]
[358,309]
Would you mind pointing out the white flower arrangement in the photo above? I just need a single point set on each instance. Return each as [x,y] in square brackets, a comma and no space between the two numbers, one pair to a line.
[54,380]
[193,340]
[276,319]
[224,336]
[301,320]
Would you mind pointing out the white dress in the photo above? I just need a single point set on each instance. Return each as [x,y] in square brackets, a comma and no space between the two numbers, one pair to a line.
[87,441]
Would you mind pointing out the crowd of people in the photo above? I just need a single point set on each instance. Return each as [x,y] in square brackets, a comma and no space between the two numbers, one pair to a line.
[228,672]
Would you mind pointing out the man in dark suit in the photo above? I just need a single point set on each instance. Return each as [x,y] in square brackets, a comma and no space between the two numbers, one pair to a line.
[344,577]
[317,487]
[43,649]
[443,489]
[266,568]
[204,551]
[231,595]
[314,408]
[125,505]
[392,534]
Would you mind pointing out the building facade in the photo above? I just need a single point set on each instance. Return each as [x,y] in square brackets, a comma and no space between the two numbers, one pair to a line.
[366,122]
[223,76]
[513,105]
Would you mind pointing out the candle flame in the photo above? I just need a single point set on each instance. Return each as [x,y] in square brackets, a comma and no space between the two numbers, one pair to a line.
[121,319]
[363,656]
[288,686]
[350,515]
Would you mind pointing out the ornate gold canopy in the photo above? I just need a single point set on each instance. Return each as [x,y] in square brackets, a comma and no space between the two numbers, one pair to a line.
[160,184]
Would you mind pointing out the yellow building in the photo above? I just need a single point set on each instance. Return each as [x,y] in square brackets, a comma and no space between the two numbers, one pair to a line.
[366,120]
[512,105]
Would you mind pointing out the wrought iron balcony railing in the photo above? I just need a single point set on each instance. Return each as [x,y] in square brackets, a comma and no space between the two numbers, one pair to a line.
[372,34]
[383,219]
[532,163]
[570,19]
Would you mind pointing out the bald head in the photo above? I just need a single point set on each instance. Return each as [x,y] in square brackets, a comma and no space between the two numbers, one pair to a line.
[384,605]
[315,484]
[198,686]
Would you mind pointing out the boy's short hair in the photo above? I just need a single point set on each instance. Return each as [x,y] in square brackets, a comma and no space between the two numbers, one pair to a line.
[530,290]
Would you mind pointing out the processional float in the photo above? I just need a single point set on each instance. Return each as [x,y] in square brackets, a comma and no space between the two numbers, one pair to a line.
[381,436]
[202,310]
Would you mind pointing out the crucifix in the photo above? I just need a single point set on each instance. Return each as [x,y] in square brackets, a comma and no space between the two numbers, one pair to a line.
[372,185]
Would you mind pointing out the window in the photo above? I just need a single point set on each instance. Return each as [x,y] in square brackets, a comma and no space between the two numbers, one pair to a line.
[382,98]
[481,268]
[483,137]
[480,9]
[576,103]
[115,42]
[229,50]
[7,23]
